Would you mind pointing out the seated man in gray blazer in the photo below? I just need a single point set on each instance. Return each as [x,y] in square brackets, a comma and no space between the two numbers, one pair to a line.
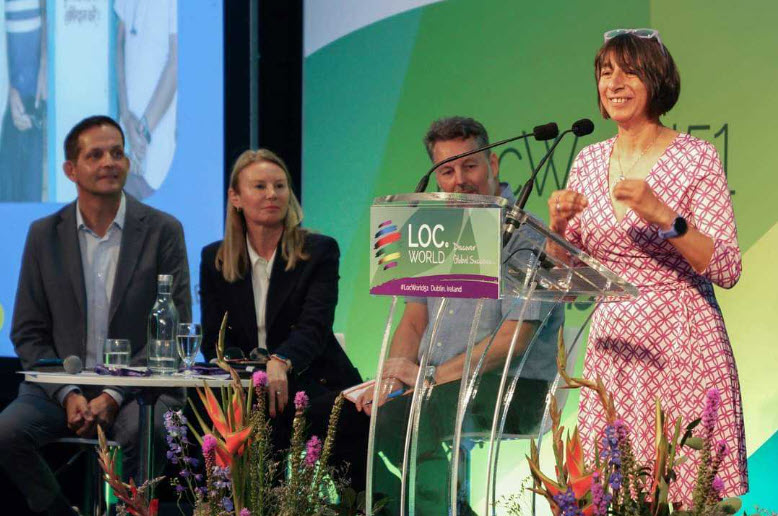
[89,272]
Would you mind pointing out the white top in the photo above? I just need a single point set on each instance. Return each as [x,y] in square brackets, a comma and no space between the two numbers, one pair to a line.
[148,28]
[260,281]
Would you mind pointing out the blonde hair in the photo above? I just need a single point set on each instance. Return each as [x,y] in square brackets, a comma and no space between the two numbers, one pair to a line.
[232,258]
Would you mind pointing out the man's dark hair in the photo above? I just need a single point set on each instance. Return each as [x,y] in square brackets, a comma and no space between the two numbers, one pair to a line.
[455,128]
[71,140]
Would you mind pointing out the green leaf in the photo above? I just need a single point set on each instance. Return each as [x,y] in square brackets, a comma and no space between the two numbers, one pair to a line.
[688,432]
[695,443]
[729,505]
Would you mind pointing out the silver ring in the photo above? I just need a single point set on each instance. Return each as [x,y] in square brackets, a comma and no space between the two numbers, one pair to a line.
[278,392]
[557,205]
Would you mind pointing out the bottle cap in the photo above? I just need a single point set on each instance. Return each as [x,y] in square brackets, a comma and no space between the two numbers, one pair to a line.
[165,279]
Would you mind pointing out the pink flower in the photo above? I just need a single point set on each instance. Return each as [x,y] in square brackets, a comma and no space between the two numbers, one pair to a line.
[301,400]
[312,451]
[710,414]
[717,485]
[209,444]
[259,379]
[722,448]
[244,511]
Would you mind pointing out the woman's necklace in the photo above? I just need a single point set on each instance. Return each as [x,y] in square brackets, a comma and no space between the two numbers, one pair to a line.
[622,174]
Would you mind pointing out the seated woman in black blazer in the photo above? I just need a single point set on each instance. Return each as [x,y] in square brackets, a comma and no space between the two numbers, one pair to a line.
[279,284]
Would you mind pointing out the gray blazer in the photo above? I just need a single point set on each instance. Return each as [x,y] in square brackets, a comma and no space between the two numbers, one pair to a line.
[49,318]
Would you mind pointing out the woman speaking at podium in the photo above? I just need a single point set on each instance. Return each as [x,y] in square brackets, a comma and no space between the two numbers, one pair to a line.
[653,205]
[279,284]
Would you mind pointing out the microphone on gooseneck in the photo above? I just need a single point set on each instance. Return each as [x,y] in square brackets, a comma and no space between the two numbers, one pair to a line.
[71,364]
[540,133]
[581,127]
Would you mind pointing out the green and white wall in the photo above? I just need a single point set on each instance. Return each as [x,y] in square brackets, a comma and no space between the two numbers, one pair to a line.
[377,73]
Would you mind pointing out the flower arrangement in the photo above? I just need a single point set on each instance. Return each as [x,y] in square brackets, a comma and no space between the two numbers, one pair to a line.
[239,474]
[616,483]
[135,500]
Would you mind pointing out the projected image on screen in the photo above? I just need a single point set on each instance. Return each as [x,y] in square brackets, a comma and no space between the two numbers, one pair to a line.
[24,88]
[146,75]
[154,66]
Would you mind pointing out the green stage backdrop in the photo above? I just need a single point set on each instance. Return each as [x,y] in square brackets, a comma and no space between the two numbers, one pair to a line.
[376,75]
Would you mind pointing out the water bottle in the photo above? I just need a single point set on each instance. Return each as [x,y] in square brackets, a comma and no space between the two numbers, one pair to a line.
[163,320]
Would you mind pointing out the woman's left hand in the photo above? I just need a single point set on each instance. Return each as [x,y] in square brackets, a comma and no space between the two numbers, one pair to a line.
[277,386]
[638,196]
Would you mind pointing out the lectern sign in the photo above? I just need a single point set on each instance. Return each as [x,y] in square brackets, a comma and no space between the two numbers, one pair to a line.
[438,250]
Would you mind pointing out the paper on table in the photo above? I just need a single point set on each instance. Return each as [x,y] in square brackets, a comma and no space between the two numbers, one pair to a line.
[353,393]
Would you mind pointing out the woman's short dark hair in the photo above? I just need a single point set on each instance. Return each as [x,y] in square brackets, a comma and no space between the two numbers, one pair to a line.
[650,61]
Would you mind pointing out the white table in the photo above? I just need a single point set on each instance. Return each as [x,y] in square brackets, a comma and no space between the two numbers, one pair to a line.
[149,389]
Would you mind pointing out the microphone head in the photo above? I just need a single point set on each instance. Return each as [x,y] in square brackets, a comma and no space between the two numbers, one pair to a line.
[546,132]
[73,364]
[583,127]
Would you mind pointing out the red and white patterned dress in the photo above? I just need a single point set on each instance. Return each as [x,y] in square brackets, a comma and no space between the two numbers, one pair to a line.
[669,343]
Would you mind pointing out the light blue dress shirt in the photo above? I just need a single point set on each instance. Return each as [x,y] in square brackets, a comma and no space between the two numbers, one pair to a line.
[99,257]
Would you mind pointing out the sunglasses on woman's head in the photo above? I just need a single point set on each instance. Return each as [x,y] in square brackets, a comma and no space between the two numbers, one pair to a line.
[640,33]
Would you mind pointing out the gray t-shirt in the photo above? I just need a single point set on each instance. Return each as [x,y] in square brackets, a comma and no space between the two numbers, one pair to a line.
[457,318]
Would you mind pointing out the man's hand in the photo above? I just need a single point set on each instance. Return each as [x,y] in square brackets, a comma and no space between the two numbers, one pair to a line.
[104,409]
[403,369]
[135,135]
[19,116]
[80,419]
[364,402]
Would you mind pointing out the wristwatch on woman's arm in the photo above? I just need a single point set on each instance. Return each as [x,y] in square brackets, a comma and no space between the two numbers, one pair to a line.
[677,229]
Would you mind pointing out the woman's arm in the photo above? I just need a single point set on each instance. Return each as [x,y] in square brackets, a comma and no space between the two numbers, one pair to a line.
[307,339]
[710,243]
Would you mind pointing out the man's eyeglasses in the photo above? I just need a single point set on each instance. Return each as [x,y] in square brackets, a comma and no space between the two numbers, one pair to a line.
[641,33]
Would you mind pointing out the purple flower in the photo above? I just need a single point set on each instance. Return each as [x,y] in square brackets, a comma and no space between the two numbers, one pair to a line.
[245,512]
[222,477]
[180,488]
[717,485]
[600,499]
[301,400]
[710,414]
[312,451]
[721,448]
[259,379]
[568,505]
[227,504]
[209,444]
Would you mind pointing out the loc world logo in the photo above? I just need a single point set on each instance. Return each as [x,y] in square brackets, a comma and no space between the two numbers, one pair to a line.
[386,246]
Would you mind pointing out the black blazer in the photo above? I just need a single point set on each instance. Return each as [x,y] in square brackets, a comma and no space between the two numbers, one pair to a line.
[300,310]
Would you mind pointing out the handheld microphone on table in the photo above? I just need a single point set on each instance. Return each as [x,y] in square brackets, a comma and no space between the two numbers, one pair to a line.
[540,132]
[71,364]
[580,128]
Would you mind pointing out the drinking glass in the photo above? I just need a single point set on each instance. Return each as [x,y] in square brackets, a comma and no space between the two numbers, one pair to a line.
[189,336]
[116,353]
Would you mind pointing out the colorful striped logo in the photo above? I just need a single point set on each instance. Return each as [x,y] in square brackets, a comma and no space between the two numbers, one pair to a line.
[386,246]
